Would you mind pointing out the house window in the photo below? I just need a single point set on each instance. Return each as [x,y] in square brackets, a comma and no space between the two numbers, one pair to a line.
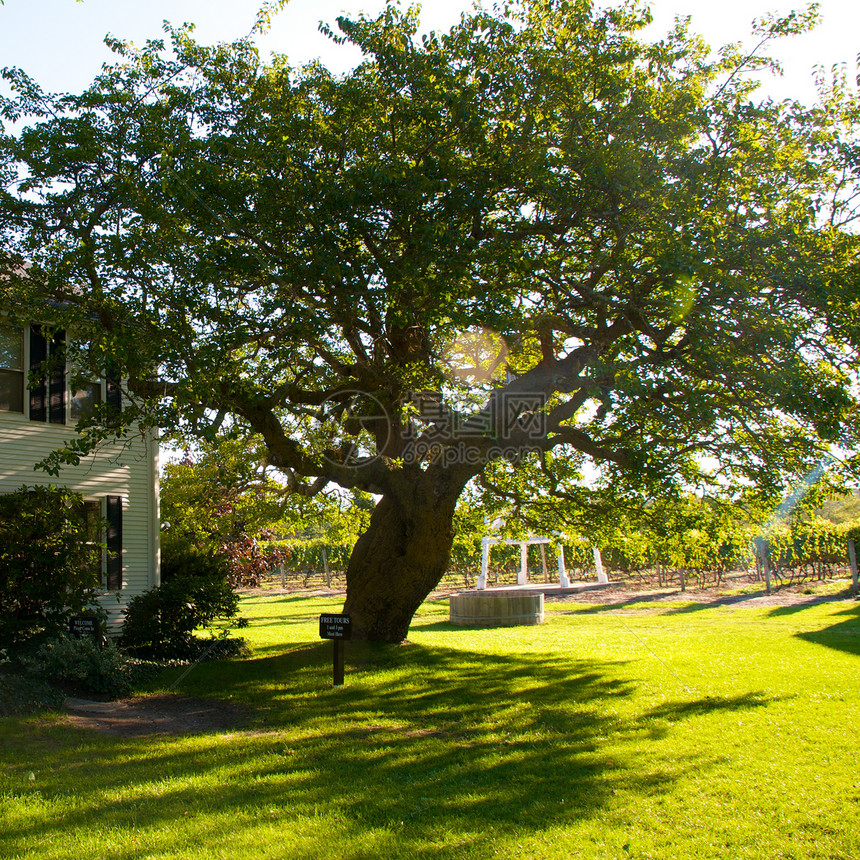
[39,376]
[84,394]
[113,515]
[104,528]
[94,522]
[83,402]
[47,376]
[11,369]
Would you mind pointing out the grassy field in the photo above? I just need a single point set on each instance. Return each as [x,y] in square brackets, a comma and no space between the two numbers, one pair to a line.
[671,732]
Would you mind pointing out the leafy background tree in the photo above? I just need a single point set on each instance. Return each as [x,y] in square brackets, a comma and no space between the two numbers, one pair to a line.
[221,500]
[533,233]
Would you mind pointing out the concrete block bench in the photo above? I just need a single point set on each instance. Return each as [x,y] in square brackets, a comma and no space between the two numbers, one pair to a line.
[484,609]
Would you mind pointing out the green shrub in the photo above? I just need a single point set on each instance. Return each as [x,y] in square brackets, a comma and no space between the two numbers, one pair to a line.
[184,560]
[194,594]
[83,664]
[20,696]
[49,565]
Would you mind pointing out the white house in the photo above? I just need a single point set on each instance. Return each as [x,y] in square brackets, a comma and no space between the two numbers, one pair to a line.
[119,481]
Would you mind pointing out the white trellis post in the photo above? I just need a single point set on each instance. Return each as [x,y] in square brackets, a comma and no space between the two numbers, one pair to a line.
[598,564]
[563,579]
[523,575]
[485,563]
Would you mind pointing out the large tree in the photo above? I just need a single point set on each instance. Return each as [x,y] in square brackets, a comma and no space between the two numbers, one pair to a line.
[535,237]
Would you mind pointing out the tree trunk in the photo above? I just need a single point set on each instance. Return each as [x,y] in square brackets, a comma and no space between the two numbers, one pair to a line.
[399,560]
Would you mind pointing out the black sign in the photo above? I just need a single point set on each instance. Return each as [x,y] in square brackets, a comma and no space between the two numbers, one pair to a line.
[335,627]
[86,625]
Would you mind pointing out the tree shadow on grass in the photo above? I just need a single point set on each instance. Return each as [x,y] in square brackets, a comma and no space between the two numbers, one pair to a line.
[726,600]
[278,621]
[663,603]
[812,600]
[740,600]
[422,742]
[843,635]
[447,626]
[675,711]
[276,599]
[567,608]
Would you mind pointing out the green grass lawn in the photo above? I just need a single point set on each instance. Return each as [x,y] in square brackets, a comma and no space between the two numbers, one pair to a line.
[664,732]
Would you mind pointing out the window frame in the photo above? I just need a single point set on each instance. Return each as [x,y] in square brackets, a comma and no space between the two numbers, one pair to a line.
[98,386]
[108,511]
[19,372]
[96,507]
[52,400]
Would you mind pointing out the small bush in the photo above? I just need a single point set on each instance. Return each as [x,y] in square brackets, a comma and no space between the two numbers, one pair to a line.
[220,647]
[194,594]
[20,696]
[82,664]
[184,560]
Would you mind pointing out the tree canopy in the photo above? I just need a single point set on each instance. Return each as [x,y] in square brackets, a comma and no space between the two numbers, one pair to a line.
[535,241]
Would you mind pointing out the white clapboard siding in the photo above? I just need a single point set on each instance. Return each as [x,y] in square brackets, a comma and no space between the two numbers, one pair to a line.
[128,469]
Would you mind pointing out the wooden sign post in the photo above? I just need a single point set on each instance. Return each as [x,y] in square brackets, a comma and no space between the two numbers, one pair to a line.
[338,628]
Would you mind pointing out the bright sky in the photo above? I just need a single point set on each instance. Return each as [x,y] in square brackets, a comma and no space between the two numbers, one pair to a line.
[60,42]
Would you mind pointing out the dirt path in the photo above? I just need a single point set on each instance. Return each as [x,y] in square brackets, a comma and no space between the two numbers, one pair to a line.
[155,715]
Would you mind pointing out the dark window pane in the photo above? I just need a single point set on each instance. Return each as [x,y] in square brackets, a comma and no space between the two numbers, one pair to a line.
[11,348]
[84,401]
[92,513]
[93,520]
[113,511]
[38,383]
[57,380]
[11,391]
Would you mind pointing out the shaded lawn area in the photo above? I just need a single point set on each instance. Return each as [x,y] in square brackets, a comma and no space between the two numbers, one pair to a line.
[721,733]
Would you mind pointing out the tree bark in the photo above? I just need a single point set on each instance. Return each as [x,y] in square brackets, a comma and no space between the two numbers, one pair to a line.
[400,559]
